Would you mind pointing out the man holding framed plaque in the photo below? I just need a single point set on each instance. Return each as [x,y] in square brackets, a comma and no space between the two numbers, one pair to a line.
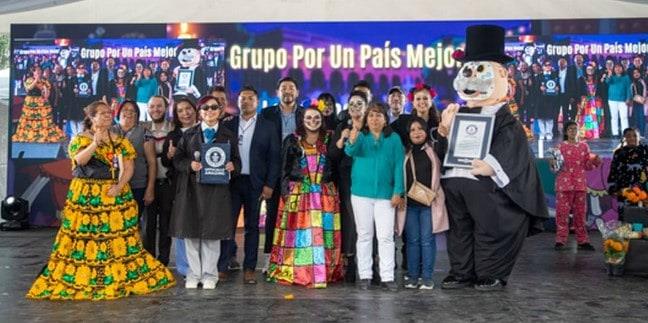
[493,193]
[205,159]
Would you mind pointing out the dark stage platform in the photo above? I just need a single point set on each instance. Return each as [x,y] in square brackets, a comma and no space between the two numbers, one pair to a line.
[546,285]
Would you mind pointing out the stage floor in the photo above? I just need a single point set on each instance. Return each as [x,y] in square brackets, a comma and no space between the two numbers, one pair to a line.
[545,285]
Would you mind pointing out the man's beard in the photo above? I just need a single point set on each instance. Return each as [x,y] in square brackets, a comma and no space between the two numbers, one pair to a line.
[288,100]
[159,120]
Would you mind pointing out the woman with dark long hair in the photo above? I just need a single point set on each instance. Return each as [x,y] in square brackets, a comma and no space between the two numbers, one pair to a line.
[638,100]
[307,237]
[590,108]
[185,116]
[425,214]
[357,105]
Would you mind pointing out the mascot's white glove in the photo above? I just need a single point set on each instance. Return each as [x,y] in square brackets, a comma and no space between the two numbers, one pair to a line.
[482,168]
[447,116]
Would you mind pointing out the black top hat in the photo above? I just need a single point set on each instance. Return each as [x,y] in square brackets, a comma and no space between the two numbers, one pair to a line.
[485,43]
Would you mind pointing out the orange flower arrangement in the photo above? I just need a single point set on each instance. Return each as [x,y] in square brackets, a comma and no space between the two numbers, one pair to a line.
[635,194]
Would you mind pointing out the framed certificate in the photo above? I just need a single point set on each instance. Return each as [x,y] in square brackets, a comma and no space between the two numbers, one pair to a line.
[214,157]
[470,138]
[184,80]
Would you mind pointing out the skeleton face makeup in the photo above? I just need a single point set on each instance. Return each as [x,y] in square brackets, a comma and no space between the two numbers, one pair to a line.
[312,120]
[481,81]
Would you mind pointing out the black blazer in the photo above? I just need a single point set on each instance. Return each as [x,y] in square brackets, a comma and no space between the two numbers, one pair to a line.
[273,114]
[174,137]
[265,152]
[103,85]
[572,82]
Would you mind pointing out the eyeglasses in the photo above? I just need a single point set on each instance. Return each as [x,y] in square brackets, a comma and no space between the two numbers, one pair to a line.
[214,107]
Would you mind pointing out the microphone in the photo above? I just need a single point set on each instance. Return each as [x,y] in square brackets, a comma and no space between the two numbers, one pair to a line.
[197,158]
[350,127]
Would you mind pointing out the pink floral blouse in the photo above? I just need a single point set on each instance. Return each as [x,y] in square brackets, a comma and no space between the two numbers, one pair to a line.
[577,160]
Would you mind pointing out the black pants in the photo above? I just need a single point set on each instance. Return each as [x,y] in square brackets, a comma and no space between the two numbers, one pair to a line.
[244,196]
[349,235]
[487,229]
[606,115]
[157,219]
[272,208]
[569,110]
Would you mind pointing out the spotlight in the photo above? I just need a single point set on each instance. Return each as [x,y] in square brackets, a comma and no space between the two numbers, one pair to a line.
[15,211]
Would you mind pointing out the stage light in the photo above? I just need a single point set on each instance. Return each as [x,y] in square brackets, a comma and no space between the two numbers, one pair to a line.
[15,211]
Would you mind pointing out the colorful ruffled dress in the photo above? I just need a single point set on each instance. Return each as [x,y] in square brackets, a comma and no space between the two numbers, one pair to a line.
[36,123]
[307,238]
[97,253]
[590,116]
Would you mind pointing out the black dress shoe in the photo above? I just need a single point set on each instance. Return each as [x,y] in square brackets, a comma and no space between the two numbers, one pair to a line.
[452,282]
[559,246]
[586,246]
[490,284]
[364,284]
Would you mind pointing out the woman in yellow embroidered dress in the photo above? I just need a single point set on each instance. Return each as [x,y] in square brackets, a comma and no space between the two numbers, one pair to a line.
[97,253]
[36,123]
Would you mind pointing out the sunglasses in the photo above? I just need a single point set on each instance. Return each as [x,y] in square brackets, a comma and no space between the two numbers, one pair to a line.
[214,107]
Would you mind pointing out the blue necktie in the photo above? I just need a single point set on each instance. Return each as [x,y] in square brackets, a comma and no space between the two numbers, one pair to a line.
[209,134]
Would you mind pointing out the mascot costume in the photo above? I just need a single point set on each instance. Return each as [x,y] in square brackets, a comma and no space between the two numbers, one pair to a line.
[190,77]
[495,204]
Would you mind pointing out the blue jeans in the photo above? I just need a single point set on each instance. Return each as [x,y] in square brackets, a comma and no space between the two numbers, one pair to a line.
[638,117]
[421,243]
[181,257]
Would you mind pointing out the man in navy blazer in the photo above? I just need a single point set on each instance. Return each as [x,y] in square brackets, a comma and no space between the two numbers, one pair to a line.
[286,116]
[259,149]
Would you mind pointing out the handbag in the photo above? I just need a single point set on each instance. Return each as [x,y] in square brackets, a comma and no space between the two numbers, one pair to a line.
[419,192]
[637,98]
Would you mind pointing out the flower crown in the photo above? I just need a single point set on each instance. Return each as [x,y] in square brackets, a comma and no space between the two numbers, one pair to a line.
[321,105]
[419,87]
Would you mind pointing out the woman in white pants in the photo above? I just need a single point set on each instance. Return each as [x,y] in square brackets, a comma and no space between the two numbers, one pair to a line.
[376,190]
[619,97]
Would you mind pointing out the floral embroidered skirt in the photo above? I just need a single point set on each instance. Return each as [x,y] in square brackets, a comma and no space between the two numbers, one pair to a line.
[307,238]
[36,123]
[97,253]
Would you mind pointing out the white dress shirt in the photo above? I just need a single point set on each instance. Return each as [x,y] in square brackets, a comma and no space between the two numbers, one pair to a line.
[204,126]
[245,134]
[562,75]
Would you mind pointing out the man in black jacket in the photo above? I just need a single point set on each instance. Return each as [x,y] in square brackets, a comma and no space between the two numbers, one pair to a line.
[100,84]
[259,149]
[284,117]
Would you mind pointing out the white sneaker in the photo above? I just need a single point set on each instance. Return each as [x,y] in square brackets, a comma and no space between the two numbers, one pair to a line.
[427,285]
[411,286]
[209,284]
[191,283]
[541,137]
[549,137]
